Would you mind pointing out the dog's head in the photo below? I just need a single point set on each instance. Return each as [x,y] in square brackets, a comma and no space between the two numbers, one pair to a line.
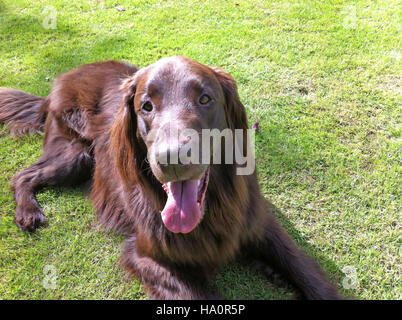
[157,131]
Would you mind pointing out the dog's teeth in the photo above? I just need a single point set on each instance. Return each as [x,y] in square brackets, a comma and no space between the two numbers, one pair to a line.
[166,188]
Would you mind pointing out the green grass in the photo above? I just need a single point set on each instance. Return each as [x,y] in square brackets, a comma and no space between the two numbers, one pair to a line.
[322,78]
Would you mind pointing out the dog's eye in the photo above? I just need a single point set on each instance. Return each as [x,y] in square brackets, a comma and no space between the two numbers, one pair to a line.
[147,106]
[204,99]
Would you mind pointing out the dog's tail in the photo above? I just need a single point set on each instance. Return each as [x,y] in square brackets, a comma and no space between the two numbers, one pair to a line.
[23,112]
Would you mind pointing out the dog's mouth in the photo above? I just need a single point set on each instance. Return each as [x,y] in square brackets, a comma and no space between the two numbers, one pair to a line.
[183,208]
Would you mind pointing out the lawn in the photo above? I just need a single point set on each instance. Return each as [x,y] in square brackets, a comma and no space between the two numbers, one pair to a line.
[323,79]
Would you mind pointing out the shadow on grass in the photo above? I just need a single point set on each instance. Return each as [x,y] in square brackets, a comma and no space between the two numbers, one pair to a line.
[62,48]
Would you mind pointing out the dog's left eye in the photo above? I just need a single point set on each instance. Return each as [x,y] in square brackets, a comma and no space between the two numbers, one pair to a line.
[147,106]
[204,99]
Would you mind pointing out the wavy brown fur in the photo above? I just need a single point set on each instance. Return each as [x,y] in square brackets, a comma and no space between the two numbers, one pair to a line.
[22,112]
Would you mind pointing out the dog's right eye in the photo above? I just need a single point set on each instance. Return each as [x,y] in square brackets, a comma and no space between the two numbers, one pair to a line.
[204,99]
[147,106]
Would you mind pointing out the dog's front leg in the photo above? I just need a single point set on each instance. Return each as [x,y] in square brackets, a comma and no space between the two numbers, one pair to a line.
[276,249]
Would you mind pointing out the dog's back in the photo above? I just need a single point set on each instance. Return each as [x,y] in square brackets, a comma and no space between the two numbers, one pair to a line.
[76,98]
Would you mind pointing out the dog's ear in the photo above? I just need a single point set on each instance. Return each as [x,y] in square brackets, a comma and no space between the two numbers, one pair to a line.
[127,148]
[236,117]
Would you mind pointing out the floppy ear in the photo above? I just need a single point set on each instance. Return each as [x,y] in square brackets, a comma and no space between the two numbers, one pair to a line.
[126,147]
[236,117]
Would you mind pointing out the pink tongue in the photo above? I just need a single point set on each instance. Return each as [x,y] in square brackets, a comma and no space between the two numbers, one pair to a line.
[181,212]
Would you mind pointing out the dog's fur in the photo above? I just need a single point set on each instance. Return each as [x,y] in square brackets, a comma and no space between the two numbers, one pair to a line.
[90,127]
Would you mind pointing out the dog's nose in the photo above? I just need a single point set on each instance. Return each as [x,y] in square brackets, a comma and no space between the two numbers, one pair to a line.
[168,154]
[172,164]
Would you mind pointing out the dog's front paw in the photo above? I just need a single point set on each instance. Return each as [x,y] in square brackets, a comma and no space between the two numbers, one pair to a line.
[29,219]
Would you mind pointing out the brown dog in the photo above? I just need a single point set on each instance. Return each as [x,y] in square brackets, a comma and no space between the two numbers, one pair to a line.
[183,220]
